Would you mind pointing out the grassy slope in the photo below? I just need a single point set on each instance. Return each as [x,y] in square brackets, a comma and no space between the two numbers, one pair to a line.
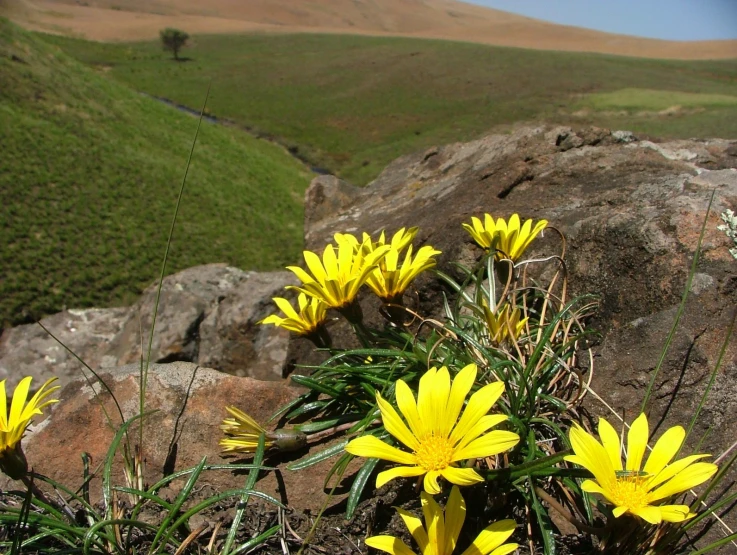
[89,175]
[352,104]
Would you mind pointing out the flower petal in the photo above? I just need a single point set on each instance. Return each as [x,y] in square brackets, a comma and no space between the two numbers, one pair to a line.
[425,407]
[394,424]
[672,469]
[483,425]
[665,449]
[648,513]
[592,456]
[461,476]
[688,478]
[389,544]
[408,407]
[462,384]
[491,537]
[431,482]
[414,525]
[440,393]
[611,442]
[637,442]
[478,405]
[19,400]
[398,472]
[434,520]
[675,513]
[455,515]
[371,446]
[492,443]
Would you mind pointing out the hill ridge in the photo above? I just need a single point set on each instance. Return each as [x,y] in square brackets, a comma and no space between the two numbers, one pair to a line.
[129,20]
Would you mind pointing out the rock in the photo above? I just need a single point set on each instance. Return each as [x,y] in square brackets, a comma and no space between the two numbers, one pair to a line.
[186,299]
[29,351]
[232,340]
[632,213]
[207,314]
[189,402]
[326,196]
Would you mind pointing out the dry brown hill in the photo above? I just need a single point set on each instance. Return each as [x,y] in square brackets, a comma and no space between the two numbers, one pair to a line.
[120,20]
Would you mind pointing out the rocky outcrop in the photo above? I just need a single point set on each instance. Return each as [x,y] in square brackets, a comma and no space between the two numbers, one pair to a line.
[206,314]
[631,211]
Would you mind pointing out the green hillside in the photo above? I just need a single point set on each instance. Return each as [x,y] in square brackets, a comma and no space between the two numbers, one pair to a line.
[354,103]
[89,175]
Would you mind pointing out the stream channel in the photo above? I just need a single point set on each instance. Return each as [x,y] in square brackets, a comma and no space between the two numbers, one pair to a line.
[292,150]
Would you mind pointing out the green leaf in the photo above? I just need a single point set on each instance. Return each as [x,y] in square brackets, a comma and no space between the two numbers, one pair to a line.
[358,486]
[543,521]
[318,457]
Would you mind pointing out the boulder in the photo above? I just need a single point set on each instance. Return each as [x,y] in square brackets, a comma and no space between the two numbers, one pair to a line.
[207,314]
[30,351]
[185,404]
[631,212]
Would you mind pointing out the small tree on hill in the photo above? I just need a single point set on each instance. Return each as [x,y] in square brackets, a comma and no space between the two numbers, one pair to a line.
[173,40]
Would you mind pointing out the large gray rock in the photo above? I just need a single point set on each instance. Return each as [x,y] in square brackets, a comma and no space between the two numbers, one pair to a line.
[232,340]
[186,299]
[207,314]
[631,212]
[29,351]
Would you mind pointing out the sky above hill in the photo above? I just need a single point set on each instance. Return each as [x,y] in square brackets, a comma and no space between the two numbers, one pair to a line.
[660,19]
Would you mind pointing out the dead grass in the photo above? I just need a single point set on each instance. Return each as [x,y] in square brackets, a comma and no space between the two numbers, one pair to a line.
[129,20]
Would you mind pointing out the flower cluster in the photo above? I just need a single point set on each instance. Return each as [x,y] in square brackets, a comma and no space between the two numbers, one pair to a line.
[439,429]
[334,280]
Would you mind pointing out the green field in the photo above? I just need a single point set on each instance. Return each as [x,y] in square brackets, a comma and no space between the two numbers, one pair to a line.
[352,104]
[91,168]
[89,175]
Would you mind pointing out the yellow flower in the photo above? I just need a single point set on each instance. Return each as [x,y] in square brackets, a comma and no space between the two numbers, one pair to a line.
[437,437]
[13,424]
[633,488]
[502,324]
[390,279]
[337,278]
[508,239]
[312,314]
[243,432]
[441,535]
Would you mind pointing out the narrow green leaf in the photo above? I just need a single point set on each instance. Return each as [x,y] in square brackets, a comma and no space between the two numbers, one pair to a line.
[358,486]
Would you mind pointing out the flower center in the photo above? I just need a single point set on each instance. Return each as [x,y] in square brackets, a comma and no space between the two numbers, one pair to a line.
[434,453]
[630,491]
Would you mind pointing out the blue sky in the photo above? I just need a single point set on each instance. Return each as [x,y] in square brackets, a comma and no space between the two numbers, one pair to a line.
[662,19]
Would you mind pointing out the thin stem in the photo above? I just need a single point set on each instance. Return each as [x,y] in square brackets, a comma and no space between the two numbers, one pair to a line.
[599,532]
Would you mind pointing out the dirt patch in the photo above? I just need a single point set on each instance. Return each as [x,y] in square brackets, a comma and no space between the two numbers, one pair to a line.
[128,20]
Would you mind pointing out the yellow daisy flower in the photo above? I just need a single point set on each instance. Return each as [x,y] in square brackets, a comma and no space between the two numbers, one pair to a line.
[508,239]
[336,279]
[503,324]
[312,314]
[435,434]
[13,424]
[390,279]
[243,432]
[634,488]
[441,535]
